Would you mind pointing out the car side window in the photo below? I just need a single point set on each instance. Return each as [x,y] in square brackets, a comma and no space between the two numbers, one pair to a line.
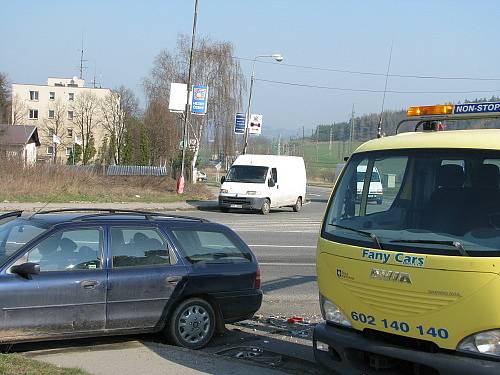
[138,246]
[209,246]
[274,174]
[67,250]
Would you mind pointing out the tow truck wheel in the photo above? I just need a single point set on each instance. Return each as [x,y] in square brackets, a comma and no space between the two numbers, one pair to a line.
[298,205]
[192,324]
[266,207]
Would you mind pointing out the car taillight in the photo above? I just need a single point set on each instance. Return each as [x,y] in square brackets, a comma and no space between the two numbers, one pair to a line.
[257,278]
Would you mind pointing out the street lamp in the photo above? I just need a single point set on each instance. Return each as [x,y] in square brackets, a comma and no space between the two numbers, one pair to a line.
[279,58]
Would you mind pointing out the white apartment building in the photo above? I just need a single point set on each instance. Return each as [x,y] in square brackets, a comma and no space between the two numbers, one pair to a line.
[52,109]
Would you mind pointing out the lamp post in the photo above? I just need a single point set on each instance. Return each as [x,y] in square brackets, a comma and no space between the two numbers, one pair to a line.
[279,58]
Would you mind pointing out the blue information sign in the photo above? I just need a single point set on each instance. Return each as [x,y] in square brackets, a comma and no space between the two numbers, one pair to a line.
[199,101]
[239,123]
[476,108]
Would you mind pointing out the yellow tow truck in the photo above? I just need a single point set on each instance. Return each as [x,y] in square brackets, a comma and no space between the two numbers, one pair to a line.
[412,285]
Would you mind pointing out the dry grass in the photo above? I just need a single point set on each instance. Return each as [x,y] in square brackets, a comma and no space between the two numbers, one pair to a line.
[42,183]
[15,364]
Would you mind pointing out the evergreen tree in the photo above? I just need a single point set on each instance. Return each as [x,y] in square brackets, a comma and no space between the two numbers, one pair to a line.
[128,149]
[145,150]
[111,157]
[90,150]
[77,157]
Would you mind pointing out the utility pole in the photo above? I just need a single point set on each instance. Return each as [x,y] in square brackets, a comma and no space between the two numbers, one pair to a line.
[331,139]
[317,133]
[351,131]
[303,139]
[180,181]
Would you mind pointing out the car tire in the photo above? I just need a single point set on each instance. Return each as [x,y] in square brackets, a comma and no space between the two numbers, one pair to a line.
[192,324]
[266,207]
[224,209]
[298,205]
[379,201]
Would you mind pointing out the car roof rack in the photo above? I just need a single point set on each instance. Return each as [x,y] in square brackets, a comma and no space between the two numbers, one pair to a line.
[112,211]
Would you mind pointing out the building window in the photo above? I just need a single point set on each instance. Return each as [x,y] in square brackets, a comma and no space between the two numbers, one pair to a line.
[33,95]
[68,151]
[52,95]
[51,113]
[51,132]
[70,133]
[71,96]
[50,150]
[70,115]
[33,115]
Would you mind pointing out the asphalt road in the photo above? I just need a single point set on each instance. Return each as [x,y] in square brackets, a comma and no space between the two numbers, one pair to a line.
[285,245]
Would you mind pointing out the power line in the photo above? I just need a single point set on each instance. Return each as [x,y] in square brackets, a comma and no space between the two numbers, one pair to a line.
[372,90]
[359,72]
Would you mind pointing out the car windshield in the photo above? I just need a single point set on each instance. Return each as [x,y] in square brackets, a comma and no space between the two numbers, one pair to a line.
[431,201]
[16,232]
[247,173]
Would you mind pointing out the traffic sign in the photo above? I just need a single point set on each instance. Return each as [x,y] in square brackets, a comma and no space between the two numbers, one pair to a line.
[255,124]
[199,100]
[239,123]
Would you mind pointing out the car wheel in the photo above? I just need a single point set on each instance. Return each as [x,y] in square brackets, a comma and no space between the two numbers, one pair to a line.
[192,324]
[224,209]
[379,201]
[266,207]
[298,205]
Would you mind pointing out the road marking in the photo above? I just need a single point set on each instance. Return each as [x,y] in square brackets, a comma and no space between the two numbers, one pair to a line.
[288,264]
[274,231]
[314,195]
[286,246]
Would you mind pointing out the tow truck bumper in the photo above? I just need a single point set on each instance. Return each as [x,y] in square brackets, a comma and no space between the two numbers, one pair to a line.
[350,353]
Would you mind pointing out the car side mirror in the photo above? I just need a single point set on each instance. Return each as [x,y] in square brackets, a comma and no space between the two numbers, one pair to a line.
[222,179]
[26,269]
[271,182]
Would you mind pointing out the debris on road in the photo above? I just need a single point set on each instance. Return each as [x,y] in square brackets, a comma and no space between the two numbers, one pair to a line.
[252,353]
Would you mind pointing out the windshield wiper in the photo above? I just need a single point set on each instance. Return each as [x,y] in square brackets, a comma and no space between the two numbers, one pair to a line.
[373,236]
[457,245]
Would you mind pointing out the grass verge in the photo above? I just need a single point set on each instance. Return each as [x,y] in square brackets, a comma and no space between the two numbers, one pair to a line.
[61,184]
[16,364]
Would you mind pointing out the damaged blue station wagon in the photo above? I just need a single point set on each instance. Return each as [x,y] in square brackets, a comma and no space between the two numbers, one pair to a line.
[78,273]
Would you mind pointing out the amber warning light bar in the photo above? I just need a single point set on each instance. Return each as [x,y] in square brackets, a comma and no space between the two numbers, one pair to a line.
[491,109]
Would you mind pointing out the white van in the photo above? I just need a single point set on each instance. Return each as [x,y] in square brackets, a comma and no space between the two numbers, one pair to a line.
[262,182]
[375,191]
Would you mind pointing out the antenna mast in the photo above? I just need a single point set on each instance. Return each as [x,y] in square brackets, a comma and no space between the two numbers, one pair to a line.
[379,128]
[82,67]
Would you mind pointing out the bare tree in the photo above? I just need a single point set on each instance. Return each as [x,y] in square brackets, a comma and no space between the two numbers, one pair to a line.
[54,123]
[19,111]
[86,119]
[118,109]
[213,66]
[4,98]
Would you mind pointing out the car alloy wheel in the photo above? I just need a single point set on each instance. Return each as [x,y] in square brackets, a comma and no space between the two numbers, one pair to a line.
[193,323]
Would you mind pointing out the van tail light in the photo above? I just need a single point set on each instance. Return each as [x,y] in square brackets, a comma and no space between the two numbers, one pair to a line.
[257,278]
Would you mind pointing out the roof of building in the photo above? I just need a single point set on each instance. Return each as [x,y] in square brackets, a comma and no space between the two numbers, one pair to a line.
[481,139]
[18,135]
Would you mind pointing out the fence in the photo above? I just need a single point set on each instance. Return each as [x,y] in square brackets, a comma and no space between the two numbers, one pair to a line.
[122,170]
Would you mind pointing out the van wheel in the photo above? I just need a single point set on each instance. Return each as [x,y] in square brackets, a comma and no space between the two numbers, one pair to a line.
[224,209]
[192,324]
[379,201]
[298,205]
[266,207]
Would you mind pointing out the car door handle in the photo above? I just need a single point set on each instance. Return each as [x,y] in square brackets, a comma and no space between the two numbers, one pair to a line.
[173,279]
[89,284]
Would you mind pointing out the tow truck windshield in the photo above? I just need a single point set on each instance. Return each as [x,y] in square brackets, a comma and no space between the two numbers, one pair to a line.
[438,201]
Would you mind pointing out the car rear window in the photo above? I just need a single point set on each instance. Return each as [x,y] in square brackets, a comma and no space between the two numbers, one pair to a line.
[210,246]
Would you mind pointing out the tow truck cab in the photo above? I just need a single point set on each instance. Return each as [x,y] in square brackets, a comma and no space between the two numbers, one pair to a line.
[411,286]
